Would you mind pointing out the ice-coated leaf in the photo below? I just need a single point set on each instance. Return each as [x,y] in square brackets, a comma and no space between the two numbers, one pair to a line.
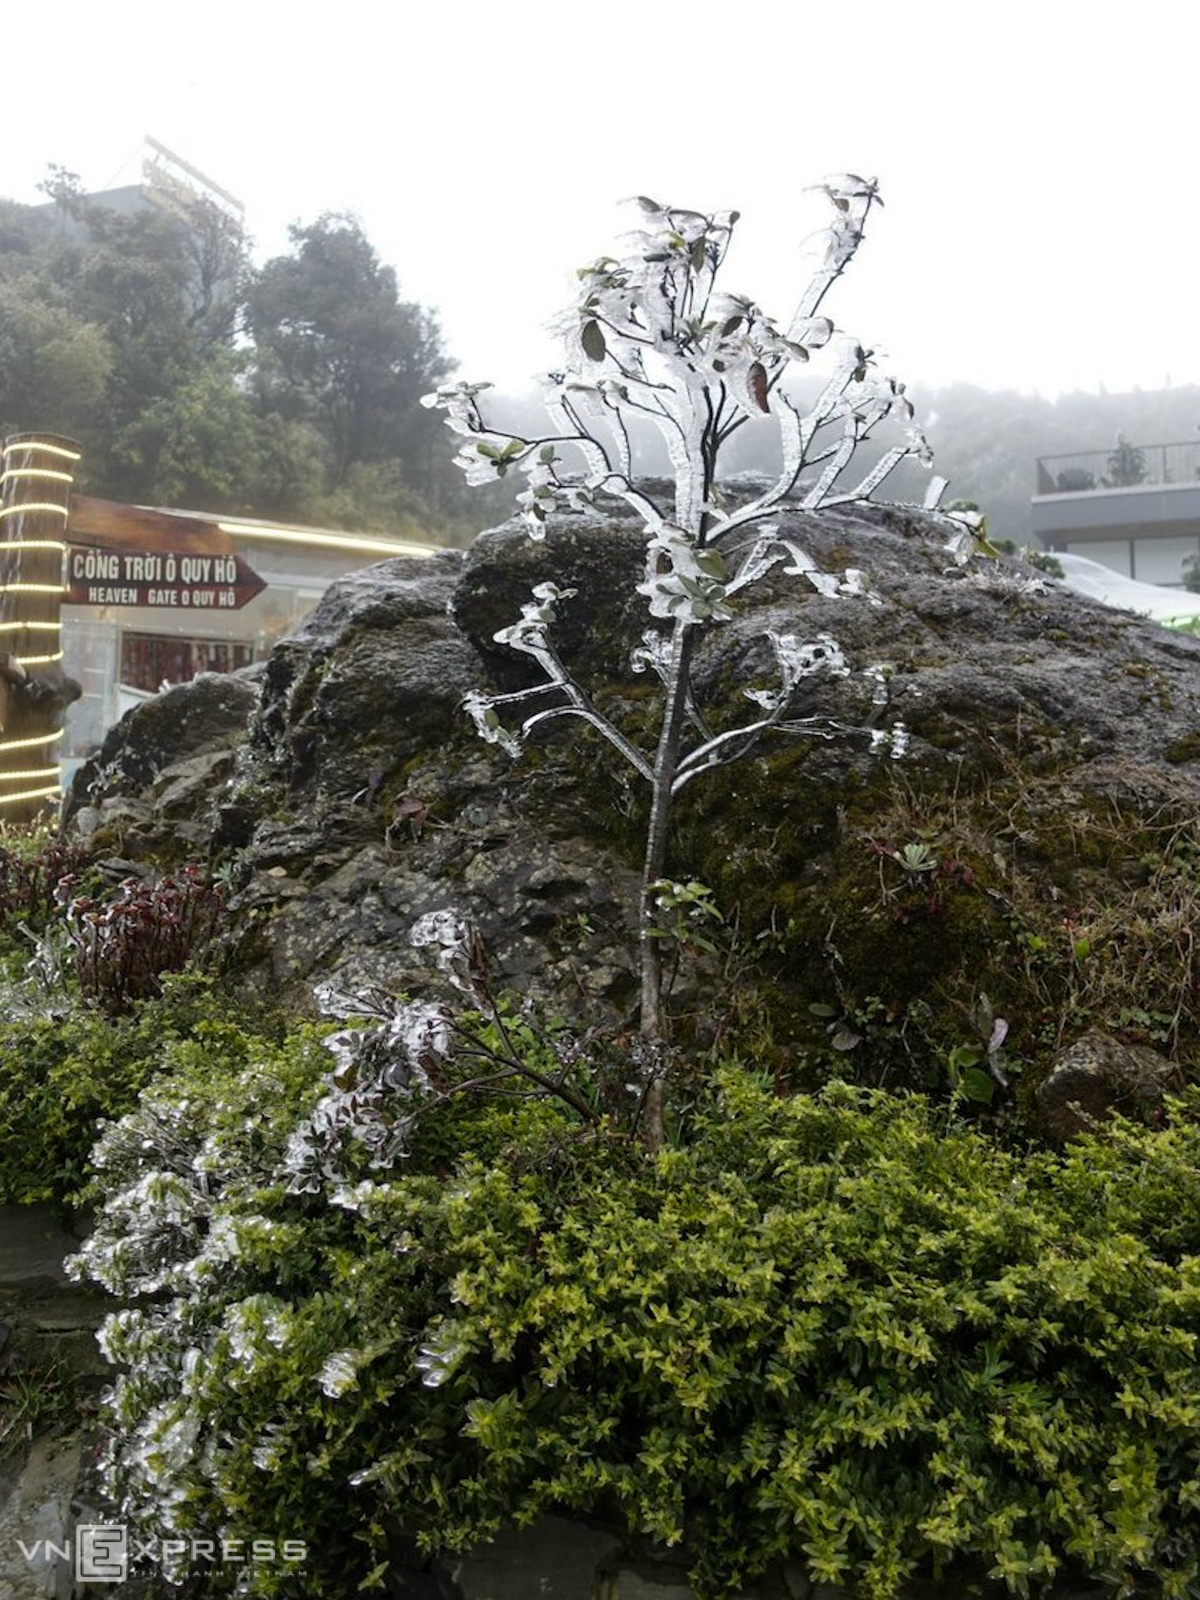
[766,552]
[890,459]
[440,1354]
[483,714]
[654,652]
[802,563]
[339,1374]
[756,383]
[593,341]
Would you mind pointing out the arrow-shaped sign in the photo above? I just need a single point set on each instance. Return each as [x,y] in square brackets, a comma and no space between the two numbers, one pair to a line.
[164,579]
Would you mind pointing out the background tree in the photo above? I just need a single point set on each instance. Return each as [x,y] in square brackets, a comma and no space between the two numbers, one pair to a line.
[55,367]
[132,332]
[338,349]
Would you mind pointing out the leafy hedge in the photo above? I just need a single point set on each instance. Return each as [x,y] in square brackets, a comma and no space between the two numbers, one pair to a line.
[63,1074]
[841,1329]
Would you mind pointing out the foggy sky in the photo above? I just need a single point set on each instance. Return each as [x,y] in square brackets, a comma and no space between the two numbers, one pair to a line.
[1035,162]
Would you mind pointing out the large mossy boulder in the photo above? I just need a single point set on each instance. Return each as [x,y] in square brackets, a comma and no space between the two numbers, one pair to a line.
[1034,858]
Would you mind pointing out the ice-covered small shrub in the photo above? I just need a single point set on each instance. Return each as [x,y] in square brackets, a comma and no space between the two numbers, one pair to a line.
[225,1258]
[653,342]
[844,1330]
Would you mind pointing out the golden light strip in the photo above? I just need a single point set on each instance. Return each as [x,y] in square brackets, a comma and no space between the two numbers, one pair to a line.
[31,794]
[35,444]
[34,544]
[329,541]
[36,472]
[32,588]
[33,505]
[31,775]
[12,627]
[25,744]
[37,661]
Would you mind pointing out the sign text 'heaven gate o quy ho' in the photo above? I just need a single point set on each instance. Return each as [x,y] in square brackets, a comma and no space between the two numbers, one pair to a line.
[167,579]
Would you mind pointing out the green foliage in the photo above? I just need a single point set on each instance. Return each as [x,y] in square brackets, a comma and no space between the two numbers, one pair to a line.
[63,1075]
[54,366]
[683,911]
[1043,561]
[337,347]
[198,444]
[127,330]
[35,1396]
[846,1330]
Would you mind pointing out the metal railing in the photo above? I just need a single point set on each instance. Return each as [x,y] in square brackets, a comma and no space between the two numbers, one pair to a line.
[1124,466]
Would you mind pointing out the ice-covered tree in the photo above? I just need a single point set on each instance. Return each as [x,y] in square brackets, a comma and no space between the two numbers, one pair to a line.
[653,338]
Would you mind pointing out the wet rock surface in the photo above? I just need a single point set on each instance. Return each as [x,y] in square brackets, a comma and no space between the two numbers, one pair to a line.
[345,793]
[1099,1077]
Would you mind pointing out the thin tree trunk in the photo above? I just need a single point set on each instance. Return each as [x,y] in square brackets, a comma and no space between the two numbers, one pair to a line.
[653,1018]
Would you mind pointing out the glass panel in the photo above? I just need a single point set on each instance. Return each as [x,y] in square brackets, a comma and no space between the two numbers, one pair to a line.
[90,657]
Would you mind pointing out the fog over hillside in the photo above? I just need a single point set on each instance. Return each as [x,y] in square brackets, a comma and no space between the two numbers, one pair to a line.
[985,441]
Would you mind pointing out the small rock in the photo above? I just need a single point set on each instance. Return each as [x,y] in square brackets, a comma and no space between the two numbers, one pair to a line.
[1098,1077]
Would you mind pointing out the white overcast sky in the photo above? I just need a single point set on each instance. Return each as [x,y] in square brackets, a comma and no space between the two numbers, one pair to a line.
[1038,163]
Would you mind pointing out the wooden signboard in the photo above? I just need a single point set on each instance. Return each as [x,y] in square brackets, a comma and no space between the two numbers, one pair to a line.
[172,579]
[112,526]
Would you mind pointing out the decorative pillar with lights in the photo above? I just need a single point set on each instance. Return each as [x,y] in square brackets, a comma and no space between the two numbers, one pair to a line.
[35,487]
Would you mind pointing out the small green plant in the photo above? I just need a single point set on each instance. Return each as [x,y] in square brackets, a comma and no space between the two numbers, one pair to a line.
[34,1397]
[913,859]
[1126,465]
[1043,561]
[682,911]
[1074,480]
[977,1070]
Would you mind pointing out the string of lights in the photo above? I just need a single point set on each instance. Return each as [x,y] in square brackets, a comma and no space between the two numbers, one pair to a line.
[50,473]
[40,467]
[29,744]
[31,774]
[41,445]
[33,505]
[52,792]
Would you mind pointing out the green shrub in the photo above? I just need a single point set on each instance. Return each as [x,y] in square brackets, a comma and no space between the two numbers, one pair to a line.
[63,1074]
[842,1329]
